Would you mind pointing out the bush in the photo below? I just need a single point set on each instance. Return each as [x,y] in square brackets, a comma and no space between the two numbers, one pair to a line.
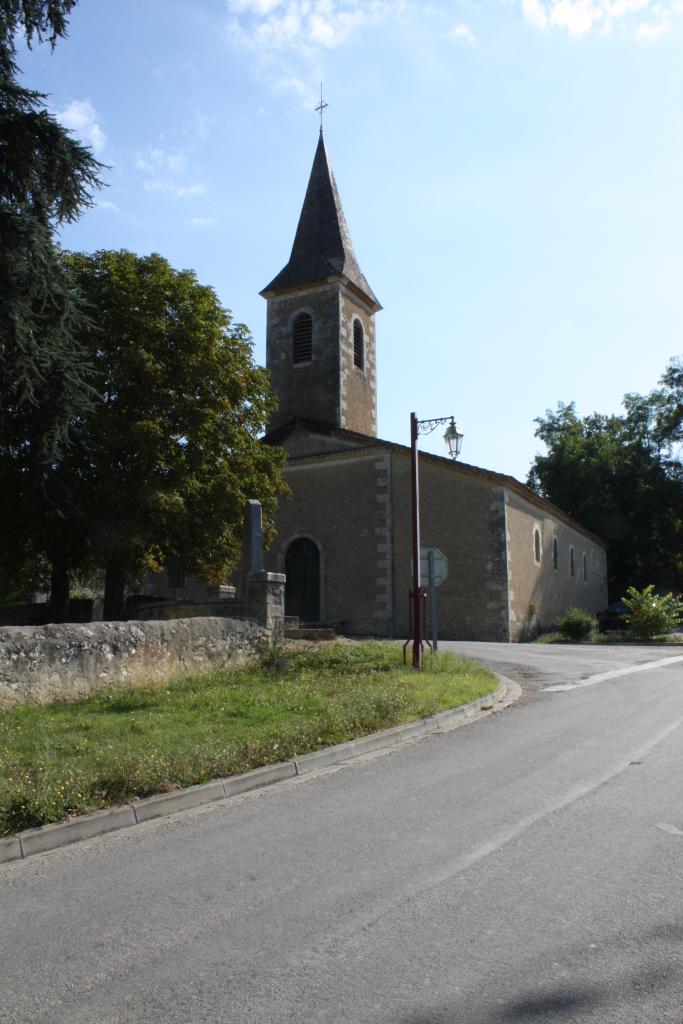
[651,614]
[576,624]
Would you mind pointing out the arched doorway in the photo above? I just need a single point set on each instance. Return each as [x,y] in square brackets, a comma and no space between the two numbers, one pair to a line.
[302,589]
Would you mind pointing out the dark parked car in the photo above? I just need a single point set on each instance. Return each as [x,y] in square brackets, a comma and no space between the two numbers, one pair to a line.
[612,621]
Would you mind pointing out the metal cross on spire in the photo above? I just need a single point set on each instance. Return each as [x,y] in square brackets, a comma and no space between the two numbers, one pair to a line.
[321,107]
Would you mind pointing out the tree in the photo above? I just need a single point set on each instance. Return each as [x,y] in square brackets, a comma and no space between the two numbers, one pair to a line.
[44,19]
[172,446]
[46,179]
[621,476]
[672,396]
[649,614]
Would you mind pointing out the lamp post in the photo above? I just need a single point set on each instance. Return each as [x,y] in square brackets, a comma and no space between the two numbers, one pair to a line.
[453,439]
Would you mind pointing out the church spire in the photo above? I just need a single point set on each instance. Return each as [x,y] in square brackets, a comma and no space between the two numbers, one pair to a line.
[322,245]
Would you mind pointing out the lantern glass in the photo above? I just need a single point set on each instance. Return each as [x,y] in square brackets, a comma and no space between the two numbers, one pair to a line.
[453,439]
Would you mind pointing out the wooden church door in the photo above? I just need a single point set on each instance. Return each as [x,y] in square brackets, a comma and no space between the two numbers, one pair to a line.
[302,589]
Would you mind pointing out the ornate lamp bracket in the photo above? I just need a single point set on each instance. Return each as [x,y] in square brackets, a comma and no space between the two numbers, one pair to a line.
[427,426]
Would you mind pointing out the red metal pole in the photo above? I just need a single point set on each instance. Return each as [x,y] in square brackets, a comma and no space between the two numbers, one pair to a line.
[417,583]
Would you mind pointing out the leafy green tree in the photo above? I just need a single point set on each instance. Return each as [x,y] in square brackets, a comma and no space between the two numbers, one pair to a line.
[649,614]
[621,476]
[671,418]
[46,179]
[172,446]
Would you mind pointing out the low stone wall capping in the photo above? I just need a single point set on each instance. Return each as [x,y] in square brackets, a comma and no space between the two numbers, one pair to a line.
[39,664]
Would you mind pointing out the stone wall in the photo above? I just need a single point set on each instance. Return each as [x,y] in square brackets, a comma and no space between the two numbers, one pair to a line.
[312,388]
[540,588]
[358,386]
[355,506]
[39,664]
[354,503]
[335,502]
[461,514]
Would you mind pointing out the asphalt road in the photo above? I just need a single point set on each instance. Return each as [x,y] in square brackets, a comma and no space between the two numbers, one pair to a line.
[537,666]
[525,868]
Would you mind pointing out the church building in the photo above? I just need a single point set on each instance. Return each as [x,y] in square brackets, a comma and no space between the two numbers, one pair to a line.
[344,537]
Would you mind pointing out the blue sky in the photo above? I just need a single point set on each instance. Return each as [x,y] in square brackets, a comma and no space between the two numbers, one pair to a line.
[511,173]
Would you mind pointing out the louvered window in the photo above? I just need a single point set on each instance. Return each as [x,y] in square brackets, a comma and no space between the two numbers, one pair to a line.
[302,339]
[358,353]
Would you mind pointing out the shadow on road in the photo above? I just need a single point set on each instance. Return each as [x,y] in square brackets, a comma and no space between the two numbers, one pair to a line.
[644,990]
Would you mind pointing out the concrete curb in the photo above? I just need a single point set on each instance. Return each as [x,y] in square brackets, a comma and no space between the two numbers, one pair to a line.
[50,837]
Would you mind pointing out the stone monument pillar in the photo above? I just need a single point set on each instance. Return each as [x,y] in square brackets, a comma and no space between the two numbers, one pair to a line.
[264,592]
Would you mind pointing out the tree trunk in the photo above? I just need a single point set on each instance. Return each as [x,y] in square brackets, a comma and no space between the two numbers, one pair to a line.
[114,591]
[60,583]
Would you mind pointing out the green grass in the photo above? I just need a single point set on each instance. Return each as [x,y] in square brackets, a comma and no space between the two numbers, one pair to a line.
[69,758]
[609,638]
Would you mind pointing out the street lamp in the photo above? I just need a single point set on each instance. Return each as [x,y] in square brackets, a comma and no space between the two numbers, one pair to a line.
[453,439]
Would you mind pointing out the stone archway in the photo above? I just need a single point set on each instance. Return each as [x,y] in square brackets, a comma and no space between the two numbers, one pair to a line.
[302,589]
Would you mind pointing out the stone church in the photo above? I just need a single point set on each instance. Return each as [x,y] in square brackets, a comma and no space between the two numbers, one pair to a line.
[344,537]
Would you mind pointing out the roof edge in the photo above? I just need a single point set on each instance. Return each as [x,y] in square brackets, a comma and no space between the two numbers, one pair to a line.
[502,479]
[370,300]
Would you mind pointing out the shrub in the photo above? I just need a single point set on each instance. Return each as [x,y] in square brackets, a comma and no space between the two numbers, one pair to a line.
[576,624]
[650,614]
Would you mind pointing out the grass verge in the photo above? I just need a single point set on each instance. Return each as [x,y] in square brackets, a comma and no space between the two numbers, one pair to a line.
[599,639]
[70,758]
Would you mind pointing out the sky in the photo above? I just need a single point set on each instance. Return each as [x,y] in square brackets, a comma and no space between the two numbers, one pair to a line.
[510,170]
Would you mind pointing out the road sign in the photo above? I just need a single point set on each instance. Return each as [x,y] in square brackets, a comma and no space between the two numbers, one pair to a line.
[439,564]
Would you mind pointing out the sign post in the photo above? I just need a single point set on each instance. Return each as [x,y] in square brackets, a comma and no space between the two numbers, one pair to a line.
[435,566]
[417,596]
[432,594]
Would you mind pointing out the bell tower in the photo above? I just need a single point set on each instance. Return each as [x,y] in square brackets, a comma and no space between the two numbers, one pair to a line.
[320,335]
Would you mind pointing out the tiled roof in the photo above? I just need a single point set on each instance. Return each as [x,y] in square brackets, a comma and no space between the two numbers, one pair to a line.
[322,245]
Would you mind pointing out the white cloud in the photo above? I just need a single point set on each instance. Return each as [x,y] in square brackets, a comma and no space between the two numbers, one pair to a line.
[535,13]
[652,30]
[195,189]
[170,188]
[167,172]
[617,8]
[464,34]
[576,16]
[276,32]
[645,19]
[302,26]
[157,159]
[287,40]
[106,204]
[287,81]
[262,7]
[201,222]
[80,117]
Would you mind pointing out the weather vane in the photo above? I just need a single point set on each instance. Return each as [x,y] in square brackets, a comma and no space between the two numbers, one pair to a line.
[321,107]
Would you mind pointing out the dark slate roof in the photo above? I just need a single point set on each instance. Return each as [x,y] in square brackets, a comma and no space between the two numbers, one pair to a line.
[322,245]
